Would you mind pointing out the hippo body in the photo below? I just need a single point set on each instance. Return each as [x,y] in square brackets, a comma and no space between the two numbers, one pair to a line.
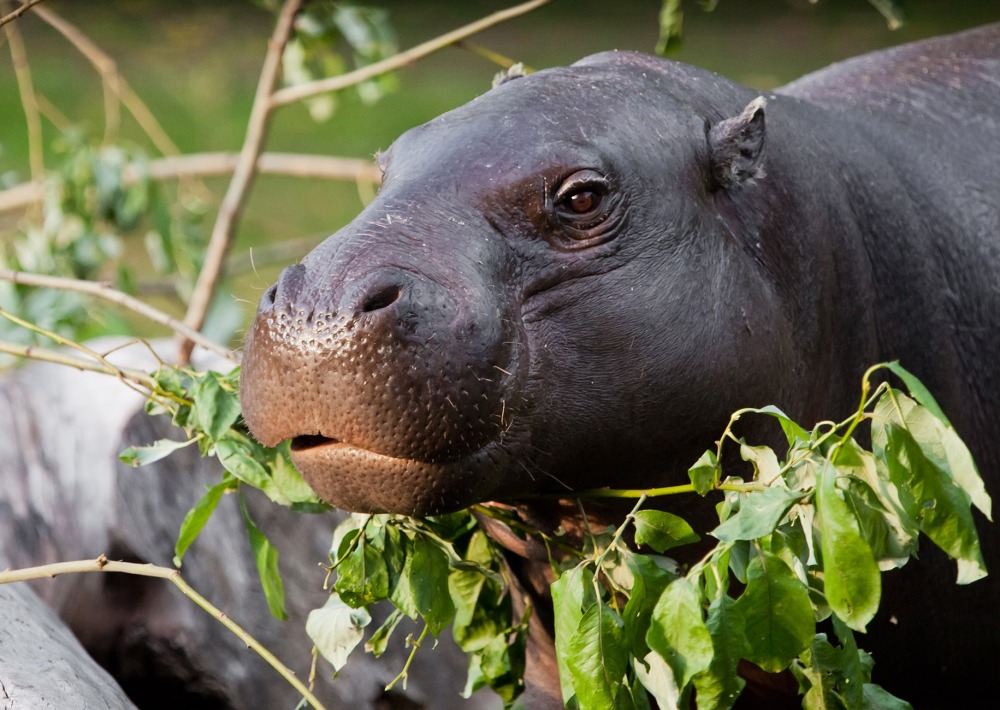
[573,280]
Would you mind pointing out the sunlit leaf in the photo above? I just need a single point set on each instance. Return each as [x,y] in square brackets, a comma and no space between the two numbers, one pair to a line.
[143,455]
[853,581]
[662,531]
[759,514]
[678,633]
[596,657]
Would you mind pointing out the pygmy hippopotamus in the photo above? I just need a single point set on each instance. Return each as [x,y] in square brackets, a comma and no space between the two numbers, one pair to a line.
[573,280]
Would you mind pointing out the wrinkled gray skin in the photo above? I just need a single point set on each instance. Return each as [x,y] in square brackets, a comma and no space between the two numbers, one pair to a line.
[573,280]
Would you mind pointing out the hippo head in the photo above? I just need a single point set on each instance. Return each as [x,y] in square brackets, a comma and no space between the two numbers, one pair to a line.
[545,295]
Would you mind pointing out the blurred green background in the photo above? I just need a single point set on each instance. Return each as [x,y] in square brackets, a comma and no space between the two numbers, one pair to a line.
[196,64]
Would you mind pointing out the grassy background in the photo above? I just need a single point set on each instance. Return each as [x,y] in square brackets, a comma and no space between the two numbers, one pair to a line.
[196,65]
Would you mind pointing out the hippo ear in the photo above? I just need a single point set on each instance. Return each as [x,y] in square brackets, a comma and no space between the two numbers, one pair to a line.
[736,147]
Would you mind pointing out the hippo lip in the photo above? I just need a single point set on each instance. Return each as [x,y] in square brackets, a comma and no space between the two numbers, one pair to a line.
[305,443]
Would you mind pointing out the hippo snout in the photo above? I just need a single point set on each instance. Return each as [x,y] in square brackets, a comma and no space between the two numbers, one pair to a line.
[387,382]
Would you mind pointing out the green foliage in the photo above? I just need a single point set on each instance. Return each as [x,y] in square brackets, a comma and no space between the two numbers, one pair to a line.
[672,20]
[99,196]
[205,405]
[807,538]
[313,51]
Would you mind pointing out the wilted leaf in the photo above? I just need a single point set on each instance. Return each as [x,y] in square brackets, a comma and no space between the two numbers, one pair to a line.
[337,629]
[142,455]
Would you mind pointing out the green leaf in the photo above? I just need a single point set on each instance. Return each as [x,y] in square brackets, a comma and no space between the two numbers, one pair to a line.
[266,557]
[662,531]
[337,629]
[196,518]
[649,581]
[793,431]
[362,576]
[215,408]
[430,587]
[907,441]
[376,645]
[876,698]
[853,582]
[141,455]
[719,685]
[568,594]
[678,633]
[237,456]
[704,473]
[778,613]
[759,514]
[597,658]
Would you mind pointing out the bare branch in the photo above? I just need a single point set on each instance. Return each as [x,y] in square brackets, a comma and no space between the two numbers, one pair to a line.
[10,17]
[232,203]
[56,357]
[114,83]
[22,71]
[335,83]
[103,564]
[206,164]
[104,291]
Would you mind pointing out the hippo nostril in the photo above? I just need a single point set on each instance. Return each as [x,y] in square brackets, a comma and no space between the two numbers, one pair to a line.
[267,300]
[383,298]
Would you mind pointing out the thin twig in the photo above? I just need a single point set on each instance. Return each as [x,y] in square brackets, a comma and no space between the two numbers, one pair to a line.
[104,291]
[207,164]
[32,352]
[102,564]
[114,82]
[10,17]
[335,83]
[25,87]
[239,186]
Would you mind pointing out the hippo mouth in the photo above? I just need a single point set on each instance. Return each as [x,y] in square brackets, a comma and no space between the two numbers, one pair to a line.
[355,478]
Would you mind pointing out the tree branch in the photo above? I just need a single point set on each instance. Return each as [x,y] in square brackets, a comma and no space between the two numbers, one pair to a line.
[102,564]
[10,17]
[232,203]
[115,84]
[335,83]
[206,164]
[25,86]
[104,291]
[56,357]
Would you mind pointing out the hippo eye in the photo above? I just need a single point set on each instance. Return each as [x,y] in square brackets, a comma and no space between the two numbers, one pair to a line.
[580,198]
